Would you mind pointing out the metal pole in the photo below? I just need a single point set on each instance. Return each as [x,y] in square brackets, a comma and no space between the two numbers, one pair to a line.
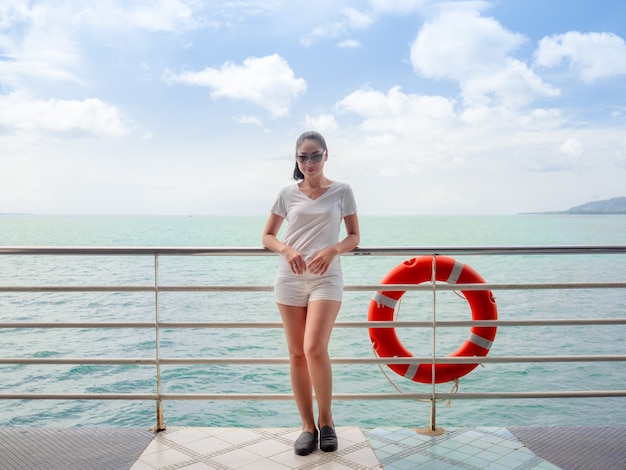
[433,402]
[160,425]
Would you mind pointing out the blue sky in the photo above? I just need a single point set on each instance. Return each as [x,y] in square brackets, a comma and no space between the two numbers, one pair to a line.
[193,107]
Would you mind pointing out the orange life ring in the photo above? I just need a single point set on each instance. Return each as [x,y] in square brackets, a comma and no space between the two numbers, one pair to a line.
[415,271]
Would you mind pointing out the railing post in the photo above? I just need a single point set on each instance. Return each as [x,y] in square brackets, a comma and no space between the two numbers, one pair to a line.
[433,402]
[160,425]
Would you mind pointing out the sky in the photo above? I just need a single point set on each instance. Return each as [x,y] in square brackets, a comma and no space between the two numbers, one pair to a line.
[193,107]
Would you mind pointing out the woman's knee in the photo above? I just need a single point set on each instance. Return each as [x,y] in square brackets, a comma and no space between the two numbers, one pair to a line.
[315,352]
[297,356]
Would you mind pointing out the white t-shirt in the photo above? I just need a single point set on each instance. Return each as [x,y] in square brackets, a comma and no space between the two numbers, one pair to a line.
[313,224]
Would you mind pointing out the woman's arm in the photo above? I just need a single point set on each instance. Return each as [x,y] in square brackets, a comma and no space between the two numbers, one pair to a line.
[271,242]
[353,234]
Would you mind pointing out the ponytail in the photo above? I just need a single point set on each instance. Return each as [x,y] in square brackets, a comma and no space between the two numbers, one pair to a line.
[297,174]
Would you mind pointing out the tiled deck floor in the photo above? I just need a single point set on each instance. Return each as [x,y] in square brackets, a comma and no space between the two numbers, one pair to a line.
[359,449]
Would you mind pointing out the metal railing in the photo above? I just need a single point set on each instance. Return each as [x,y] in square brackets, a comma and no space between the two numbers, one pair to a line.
[157,288]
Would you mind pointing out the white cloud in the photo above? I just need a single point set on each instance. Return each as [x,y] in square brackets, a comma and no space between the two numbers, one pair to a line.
[349,44]
[514,86]
[475,51]
[458,44]
[409,128]
[498,118]
[249,120]
[357,19]
[572,147]
[620,154]
[36,118]
[35,46]
[266,81]
[322,123]
[42,42]
[567,156]
[397,6]
[592,55]
[352,20]
[165,15]
[398,113]
[154,16]
[403,7]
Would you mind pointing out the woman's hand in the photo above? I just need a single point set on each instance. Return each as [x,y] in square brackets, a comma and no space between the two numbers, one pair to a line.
[295,260]
[322,260]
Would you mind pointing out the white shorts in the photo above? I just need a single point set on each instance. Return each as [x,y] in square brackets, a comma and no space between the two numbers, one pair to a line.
[299,289]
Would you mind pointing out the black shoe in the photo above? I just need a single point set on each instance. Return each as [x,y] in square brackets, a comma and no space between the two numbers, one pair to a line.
[306,443]
[328,439]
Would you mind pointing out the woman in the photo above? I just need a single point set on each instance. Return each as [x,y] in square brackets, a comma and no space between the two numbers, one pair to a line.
[309,282]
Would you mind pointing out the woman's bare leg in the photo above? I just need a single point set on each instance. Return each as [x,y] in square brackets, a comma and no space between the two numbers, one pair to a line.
[294,323]
[308,331]
[320,319]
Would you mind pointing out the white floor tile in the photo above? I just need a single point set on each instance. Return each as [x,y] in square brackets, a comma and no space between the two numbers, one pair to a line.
[239,436]
[291,460]
[351,434]
[165,458]
[238,458]
[184,436]
[208,445]
[265,465]
[365,457]
[139,465]
[197,466]
[269,448]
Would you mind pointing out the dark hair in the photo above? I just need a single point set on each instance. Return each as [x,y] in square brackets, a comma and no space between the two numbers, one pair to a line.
[308,135]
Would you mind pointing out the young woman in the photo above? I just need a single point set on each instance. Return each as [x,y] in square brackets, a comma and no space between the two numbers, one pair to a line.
[309,282]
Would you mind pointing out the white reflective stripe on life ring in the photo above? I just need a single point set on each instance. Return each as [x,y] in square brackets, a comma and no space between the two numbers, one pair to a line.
[411,371]
[455,273]
[480,341]
[382,299]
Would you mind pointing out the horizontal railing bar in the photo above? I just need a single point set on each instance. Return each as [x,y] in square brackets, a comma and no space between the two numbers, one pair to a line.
[77,288]
[336,360]
[69,325]
[481,323]
[520,359]
[347,324]
[488,250]
[553,394]
[336,396]
[409,396]
[407,324]
[404,396]
[426,286]
[364,251]
[404,360]
[78,396]
[78,360]
[150,288]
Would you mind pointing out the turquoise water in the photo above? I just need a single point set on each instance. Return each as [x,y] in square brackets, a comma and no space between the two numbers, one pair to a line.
[245,232]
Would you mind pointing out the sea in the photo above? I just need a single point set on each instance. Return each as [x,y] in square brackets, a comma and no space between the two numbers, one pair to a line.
[245,231]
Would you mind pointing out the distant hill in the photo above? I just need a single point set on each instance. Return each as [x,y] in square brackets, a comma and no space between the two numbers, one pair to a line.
[617,205]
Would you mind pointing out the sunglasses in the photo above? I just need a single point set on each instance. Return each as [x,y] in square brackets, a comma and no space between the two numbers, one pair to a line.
[316,158]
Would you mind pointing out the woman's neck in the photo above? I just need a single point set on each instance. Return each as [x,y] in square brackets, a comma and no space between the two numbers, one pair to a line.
[316,182]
